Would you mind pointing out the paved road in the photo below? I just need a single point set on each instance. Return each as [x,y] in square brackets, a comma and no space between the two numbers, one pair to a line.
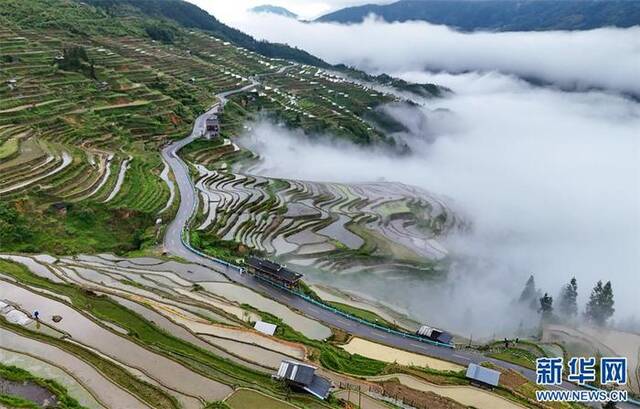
[174,245]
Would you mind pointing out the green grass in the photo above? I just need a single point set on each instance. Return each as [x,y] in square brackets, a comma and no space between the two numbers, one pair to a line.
[245,398]
[82,228]
[523,353]
[147,334]
[9,148]
[17,402]
[517,356]
[362,314]
[330,356]
[216,405]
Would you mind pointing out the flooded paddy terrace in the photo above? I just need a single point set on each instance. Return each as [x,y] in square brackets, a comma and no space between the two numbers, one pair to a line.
[211,316]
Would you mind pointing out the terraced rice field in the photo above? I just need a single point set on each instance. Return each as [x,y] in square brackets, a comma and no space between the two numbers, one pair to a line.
[70,150]
[466,395]
[250,399]
[159,298]
[589,340]
[330,226]
[91,134]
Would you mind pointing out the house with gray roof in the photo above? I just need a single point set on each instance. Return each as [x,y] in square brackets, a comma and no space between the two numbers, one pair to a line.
[303,376]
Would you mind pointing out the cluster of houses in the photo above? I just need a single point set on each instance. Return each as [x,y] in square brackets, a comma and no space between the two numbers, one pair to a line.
[303,376]
[296,374]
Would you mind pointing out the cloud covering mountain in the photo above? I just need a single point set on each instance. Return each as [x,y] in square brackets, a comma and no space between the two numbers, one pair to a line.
[607,58]
[549,178]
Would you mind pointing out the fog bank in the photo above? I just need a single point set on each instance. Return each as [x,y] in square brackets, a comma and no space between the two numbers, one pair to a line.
[549,179]
[607,58]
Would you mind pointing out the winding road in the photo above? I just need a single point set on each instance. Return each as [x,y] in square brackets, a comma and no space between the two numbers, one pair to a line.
[174,245]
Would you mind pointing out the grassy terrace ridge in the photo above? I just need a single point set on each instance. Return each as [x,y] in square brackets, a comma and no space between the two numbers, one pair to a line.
[246,398]
[524,353]
[9,148]
[191,16]
[329,355]
[144,332]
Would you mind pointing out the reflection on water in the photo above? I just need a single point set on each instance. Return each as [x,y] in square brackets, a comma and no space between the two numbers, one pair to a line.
[44,370]
[85,331]
[105,391]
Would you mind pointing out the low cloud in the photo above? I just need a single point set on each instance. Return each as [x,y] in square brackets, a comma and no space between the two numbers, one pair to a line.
[550,180]
[607,58]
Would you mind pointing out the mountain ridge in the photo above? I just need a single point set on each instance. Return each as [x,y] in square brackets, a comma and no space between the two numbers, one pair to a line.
[500,15]
[269,9]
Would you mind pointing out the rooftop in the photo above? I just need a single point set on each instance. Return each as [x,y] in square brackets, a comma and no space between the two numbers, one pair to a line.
[304,376]
[484,375]
[273,268]
[265,327]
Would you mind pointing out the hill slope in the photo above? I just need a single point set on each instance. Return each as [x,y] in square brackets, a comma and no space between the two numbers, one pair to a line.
[89,95]
[191,16]
[501,15]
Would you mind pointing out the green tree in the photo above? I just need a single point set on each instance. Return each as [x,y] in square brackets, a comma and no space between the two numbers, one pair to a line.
[76,59]
[568,305]
[530,294]
[600,305]
[13,227]
[546,306]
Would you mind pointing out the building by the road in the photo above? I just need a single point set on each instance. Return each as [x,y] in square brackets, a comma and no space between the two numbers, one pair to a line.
[212,127]
[434,334]
[304,376]
[482,375]
[273,272]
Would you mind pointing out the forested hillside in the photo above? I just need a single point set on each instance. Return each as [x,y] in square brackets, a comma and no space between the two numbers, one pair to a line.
[501,15]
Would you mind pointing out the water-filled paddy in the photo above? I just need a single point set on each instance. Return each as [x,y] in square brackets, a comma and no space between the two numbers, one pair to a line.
[46,370]
[104,390]
[85,331]
[233,292]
